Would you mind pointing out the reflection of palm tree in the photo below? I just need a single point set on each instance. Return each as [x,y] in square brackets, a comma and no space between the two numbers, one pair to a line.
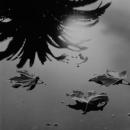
[33,25]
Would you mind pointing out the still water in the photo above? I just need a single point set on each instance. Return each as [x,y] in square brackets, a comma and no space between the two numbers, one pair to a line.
[108,49]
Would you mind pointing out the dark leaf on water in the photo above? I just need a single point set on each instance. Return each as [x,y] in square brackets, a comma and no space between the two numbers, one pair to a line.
[56,124]
[52,124]
[90,102]
[25,80]
[111,78]
[48,124]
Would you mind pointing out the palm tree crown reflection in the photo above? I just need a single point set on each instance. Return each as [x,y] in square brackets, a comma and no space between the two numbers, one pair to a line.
[33,25]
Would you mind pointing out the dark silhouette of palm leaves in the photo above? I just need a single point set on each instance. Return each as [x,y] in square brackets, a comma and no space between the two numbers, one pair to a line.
[33,25]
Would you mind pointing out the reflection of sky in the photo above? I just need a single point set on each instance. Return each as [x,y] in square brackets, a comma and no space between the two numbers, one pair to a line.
[109,48]
[75,31]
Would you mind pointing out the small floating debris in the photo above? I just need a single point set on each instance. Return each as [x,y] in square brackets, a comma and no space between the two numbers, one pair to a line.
[25,80]
[83,59]
[78,59]
[56,124]
[62,102]
[129,114]
[75,93]
[52,124]
[111,78]
[48,124]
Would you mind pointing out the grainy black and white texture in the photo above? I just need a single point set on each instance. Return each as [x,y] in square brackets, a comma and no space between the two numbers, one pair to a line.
[44,108]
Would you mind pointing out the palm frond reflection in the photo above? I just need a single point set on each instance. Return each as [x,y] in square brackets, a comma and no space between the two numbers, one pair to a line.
[34,25]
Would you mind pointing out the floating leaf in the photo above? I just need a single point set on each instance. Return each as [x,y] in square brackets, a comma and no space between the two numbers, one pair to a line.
[25,80]
[90,102]
[111,78]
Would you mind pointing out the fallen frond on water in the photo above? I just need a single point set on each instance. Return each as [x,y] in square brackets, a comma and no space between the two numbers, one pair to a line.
[111,78]
[25,80]
[90,102]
